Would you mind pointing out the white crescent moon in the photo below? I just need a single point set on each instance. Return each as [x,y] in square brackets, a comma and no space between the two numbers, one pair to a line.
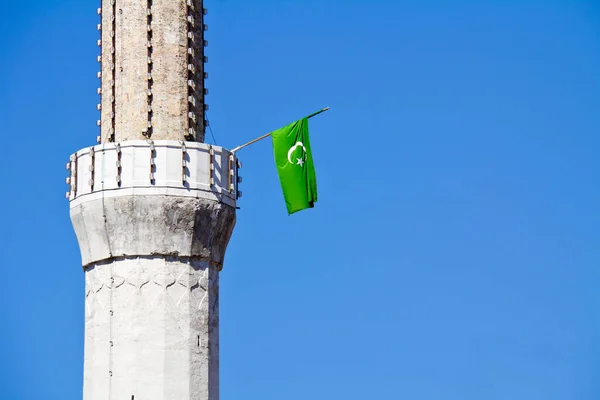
[294,148]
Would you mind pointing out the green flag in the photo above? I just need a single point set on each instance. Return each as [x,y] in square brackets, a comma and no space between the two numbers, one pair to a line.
[295,166]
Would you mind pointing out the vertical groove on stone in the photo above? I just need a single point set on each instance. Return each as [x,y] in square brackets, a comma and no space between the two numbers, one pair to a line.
[213,339]
[105,61]
[111,285]
[113,71]
[191,60]
[200,73]
[149,128]
[101,73]
[108,58]
[195,66]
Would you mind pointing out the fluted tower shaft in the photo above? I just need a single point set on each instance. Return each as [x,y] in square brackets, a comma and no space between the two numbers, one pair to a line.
[152,70]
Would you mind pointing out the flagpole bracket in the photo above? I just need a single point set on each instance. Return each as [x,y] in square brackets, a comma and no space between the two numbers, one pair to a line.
[235,150]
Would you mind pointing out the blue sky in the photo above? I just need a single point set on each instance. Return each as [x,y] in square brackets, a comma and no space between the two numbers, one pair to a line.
[453,253]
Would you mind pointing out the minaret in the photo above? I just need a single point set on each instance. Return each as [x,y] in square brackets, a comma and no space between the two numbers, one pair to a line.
[153,208]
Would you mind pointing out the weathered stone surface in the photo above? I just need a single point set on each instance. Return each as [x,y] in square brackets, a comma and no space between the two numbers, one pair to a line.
[187,209]
[131,54]
[152,329]
[152,272]
[151,51]
[147,225]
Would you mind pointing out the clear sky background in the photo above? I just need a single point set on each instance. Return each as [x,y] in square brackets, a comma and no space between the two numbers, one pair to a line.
[454,251]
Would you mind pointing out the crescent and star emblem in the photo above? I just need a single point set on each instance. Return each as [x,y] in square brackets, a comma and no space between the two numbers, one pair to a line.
[300,161]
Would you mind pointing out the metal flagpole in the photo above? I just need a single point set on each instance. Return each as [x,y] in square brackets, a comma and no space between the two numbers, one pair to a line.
[269,134]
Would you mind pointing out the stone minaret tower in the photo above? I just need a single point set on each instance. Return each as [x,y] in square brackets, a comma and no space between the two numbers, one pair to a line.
[153,208]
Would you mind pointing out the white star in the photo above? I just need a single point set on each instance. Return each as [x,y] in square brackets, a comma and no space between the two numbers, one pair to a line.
[300,162]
